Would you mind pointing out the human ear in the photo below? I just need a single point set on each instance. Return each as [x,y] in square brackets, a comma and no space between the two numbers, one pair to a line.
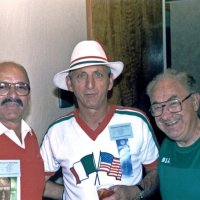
[69,83]
[196,101]
[111,82]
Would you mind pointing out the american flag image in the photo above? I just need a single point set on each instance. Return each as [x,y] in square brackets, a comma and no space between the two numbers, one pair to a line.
[110,164]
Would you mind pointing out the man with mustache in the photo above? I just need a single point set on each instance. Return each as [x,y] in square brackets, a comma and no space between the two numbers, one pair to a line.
[18,142]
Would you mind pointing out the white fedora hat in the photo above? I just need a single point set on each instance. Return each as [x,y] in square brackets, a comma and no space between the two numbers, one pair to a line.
[87,53]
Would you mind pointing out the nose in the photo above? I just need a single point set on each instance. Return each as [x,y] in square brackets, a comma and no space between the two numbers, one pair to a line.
[166,114]
[12,92]
[90,83]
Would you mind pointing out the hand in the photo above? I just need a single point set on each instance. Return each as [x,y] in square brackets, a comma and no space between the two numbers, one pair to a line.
[122,192]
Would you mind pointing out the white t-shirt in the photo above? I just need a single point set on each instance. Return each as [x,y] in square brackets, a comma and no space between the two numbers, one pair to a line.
[113,153]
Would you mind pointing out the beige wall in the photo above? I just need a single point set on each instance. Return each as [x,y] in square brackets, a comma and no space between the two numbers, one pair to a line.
[40,34]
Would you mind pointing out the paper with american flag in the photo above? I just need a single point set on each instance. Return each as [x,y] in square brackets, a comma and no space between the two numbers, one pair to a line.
[110,164]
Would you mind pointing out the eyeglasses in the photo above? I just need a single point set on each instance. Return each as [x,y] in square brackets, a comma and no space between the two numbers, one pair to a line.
[22,89]
[173,106]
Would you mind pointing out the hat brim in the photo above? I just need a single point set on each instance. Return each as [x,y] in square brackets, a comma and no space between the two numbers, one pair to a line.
[60,78]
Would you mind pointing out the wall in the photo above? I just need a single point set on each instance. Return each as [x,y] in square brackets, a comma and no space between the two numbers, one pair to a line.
[40,35]
[185,36]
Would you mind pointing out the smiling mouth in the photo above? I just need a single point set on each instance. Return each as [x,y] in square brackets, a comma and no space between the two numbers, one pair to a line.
[171,123]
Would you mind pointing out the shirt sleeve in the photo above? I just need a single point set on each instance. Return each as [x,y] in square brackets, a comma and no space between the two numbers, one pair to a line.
[150,152]
[48,154]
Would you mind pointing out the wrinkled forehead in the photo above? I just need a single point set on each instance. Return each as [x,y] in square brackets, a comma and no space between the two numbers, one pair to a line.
[167,88]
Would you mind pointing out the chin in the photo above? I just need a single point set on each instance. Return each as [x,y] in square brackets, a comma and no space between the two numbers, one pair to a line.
[174,135]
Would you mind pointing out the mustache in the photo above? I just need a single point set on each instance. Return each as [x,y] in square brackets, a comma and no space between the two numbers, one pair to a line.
[11,100]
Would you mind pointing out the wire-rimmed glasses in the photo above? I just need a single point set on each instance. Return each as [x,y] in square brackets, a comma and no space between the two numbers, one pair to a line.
[173,106]
[22,89]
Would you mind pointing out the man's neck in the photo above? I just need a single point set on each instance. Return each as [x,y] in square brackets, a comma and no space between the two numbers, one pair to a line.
[93,117]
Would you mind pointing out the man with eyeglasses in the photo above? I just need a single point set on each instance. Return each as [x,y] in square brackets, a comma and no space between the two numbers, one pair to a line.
[174,104]
[20,159]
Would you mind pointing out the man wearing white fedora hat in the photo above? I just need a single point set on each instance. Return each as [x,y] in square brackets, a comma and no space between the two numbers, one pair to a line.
[99,143]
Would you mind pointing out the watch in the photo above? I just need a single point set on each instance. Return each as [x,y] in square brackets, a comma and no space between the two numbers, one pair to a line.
[141,191]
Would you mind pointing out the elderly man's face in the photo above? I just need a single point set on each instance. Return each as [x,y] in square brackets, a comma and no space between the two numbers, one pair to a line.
[178,126]
[90,86]
[12,105]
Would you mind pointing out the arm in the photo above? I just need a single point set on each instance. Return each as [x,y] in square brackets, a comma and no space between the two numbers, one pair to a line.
[53,190]
[149,183]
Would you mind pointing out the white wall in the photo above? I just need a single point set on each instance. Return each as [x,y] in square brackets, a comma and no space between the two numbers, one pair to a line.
[40,35]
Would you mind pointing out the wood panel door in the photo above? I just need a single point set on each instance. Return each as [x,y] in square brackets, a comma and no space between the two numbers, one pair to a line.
[131,31]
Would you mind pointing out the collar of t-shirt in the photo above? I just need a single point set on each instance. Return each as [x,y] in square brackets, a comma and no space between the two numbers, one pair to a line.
[11,134]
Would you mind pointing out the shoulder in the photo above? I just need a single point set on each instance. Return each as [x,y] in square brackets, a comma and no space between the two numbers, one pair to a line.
[129,111]
[132,112]
[167,144]
[62,119]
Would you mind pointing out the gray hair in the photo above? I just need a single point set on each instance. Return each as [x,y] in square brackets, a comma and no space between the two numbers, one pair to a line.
[187,81]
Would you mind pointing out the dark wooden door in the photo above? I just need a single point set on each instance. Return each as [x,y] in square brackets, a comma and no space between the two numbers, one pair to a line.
[131,32]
